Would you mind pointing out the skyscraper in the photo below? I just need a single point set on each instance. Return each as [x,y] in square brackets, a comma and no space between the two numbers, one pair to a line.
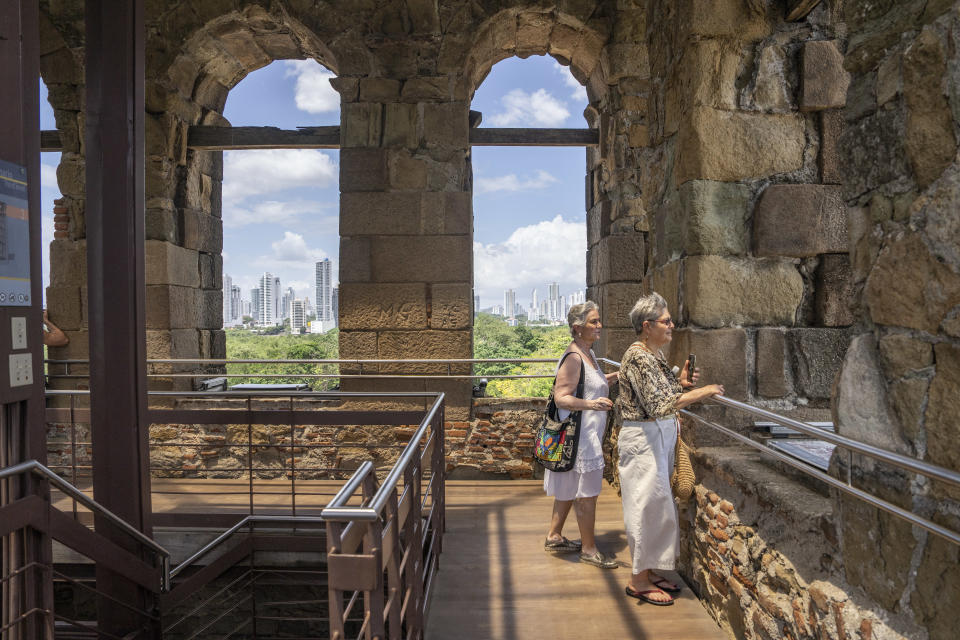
[324,290]
[277,301]
[255,304]
[227,300]
[288,298]
[509,303]
[554,311]
[236,304]
[266,307]
[298,319]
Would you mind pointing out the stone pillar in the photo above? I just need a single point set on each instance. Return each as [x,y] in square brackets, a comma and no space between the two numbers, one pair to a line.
[898,386]
[619,87]
[747,236]
[406,251]
[61,69]
[184,231]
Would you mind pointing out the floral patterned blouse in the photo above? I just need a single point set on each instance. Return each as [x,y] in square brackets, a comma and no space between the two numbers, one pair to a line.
[648,388]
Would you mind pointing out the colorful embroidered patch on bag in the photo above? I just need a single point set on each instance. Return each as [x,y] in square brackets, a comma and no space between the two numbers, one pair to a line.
[550,445]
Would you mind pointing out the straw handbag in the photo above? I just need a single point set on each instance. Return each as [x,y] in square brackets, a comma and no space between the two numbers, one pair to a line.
[682,479]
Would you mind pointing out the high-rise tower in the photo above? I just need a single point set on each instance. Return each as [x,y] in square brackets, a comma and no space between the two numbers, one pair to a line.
[325,290]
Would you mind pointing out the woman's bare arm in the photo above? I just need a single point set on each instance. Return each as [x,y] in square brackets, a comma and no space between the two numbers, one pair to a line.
[568,377]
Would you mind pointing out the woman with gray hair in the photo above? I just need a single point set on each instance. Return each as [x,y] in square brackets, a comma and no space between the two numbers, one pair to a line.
[581,485]
[650,396]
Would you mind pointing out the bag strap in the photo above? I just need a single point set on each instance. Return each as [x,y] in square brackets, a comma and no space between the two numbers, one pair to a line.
[579,384]
[551,404]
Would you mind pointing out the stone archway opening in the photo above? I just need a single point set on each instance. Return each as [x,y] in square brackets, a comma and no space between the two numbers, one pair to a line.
[279,206]
[529,218]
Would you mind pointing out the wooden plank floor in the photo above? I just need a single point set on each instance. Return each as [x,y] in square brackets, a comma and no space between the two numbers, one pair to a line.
[495,580]
[497,583]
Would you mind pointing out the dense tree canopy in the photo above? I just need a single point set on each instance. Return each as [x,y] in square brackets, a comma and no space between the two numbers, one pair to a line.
[492,338]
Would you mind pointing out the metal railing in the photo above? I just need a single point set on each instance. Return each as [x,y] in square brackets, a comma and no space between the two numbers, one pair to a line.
[400,537]
[386,547]
[450,364]
[21,520]
[285,449]
[851,446]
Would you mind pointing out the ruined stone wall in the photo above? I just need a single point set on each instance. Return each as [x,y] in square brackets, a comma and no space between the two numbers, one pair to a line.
[898,387]
[740,205]
[496,443]
[763,552]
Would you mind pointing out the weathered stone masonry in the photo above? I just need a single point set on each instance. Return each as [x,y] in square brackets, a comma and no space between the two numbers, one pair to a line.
[790,186]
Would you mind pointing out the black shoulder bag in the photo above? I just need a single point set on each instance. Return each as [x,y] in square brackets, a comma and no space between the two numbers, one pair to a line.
[557,440]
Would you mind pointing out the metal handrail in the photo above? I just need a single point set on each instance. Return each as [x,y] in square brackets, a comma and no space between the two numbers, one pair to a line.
[895,459]
[909,516]
[903,462]
[218,361]
[248,520]
[337,510]
[32,466]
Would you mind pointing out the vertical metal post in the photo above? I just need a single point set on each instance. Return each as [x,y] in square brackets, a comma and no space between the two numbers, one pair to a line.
[21,408]
[250,451]
[334,595]
[412,476]
[394,582]
[114,144]
[373,599]
[440,495]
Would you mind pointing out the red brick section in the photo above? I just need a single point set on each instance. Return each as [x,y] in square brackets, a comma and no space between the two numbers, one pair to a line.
[61,219]
[731,560]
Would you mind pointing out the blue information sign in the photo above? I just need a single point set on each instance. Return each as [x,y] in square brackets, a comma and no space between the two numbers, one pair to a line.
[14,236]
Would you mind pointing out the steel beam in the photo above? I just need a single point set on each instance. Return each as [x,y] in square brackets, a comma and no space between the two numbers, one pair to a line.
[114,145]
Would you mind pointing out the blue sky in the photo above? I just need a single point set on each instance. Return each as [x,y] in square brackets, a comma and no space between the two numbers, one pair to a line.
[280,207]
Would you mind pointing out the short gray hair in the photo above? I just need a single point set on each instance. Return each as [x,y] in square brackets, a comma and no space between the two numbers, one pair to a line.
[577,314]
[647,309]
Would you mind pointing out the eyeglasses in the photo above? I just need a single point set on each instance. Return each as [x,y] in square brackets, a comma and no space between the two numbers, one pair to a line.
[667,323]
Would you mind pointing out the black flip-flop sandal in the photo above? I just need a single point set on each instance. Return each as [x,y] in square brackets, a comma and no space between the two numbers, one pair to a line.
[642,595]
[665,585]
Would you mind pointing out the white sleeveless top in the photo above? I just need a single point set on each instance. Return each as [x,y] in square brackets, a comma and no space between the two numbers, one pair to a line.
[593,424]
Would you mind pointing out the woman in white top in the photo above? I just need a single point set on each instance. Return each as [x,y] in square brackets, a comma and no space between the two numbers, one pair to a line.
[581,485]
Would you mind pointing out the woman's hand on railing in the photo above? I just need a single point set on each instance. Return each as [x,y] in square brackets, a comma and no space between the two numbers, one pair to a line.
[696,395]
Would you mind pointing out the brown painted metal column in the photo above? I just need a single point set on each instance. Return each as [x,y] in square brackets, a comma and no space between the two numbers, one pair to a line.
[22,431]
[115,246]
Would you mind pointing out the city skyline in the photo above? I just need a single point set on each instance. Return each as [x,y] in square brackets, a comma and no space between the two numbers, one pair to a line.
[280,206]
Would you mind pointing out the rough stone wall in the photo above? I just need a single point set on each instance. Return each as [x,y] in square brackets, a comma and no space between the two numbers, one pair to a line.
[496,443]
[738,199]
[898,386]
[763,553]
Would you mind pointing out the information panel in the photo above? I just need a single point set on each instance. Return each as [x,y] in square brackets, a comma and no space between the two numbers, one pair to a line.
[14,236]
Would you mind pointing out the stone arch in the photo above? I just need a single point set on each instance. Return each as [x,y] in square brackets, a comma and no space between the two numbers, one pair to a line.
[525,33]
[613,65]
[183,186]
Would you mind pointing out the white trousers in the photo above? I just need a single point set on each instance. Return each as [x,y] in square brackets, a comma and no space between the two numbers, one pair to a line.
[649,512]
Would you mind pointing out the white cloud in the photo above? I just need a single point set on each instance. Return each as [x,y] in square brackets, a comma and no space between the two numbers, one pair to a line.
[313,91]
[578,91]
[293,248]
[539,109]
[276,212]
[548,251]
[48,177]
[251,173]
[289,259]
[511,182]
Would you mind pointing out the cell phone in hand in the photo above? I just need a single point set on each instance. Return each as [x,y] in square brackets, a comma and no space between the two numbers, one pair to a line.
[693,365]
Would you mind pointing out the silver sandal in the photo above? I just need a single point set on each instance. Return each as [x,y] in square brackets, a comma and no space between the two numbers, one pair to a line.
[562,545]
[597,559]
